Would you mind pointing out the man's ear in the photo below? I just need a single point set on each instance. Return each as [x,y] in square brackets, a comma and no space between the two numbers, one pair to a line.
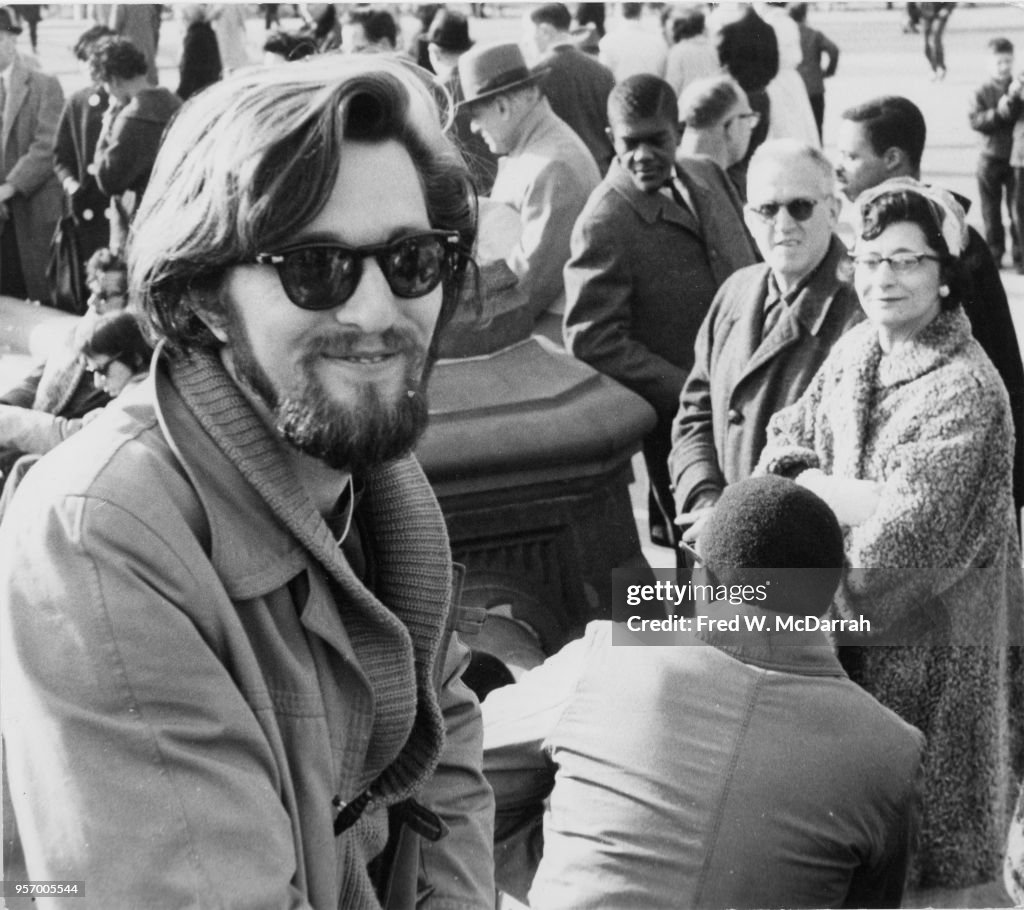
[211,317]
[894,159]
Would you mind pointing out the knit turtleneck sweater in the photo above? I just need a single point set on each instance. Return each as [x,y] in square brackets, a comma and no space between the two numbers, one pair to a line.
[396,632]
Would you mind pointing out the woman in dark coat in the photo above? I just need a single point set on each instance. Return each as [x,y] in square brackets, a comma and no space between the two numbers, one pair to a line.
[75,146]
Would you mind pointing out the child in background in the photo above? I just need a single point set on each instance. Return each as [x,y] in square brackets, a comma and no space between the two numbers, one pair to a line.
[994,109]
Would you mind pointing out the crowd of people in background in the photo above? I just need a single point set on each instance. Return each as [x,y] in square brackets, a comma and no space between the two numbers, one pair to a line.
[657,201]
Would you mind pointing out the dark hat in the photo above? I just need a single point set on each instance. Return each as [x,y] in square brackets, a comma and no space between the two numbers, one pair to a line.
[7,21]
[450,31]
[491,69]
[772,528]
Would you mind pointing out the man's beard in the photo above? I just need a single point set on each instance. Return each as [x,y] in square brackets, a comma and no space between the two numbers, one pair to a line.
[352,435]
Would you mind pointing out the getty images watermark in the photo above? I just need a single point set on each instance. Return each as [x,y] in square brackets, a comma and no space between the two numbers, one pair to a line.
[871,607]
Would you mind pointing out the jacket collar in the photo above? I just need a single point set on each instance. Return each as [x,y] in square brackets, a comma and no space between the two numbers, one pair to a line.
[249,492]
[534,125]
[808,653]
[652,207]
[811,305]
[938,342]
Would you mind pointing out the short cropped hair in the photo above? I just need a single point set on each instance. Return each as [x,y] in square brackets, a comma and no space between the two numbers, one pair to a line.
[102,261]
[704,102]
[798,12]
[254,158]
[119,336]
[790,150]
[641,96]
[556,15]
[378,24]
[116,57]
[84,44]
[1000,46]
[892,122]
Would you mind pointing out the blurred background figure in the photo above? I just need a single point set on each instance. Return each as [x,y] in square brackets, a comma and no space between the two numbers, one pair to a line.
[718,120]
[30,14]
[369,30]
[200,63]
[322,25]
[935,17]
[30,195]
[132,132]
[284,47]
[416,41]
[447,40]
[589,27]
[814,45]
[631,48]
[271,16]
[228,20]
[791,114]
[77,135]
[576,85]
[692,54]
[141,23]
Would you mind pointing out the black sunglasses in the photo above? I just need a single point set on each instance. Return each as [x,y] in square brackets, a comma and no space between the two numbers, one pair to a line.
[103,370]
[799,209]
[321,276]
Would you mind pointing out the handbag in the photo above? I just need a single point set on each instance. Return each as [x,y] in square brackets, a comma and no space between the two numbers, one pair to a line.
[65,271]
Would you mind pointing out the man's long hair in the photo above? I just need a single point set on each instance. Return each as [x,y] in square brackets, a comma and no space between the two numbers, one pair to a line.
[253,159]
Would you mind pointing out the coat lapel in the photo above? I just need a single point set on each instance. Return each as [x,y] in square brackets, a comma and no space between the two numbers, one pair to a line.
[15,98]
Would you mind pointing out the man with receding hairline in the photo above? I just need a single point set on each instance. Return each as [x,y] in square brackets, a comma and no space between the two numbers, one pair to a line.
[769,329]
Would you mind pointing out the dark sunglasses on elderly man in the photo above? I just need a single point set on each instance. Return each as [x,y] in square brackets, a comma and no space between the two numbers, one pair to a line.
[321,276]
[799,209]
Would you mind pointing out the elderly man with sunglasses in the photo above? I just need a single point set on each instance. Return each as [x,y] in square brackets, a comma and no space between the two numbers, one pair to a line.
[769,328]
[228,669]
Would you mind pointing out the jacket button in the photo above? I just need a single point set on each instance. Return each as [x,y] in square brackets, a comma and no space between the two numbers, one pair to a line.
[735,417]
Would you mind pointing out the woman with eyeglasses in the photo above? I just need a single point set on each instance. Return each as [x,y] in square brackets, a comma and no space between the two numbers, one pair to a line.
[906,433]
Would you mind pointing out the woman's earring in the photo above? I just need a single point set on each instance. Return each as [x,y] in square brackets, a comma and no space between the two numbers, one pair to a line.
[943,290]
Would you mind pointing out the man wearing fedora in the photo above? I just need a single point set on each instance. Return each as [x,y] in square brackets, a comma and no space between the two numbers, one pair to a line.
[576,85]
[546,173]
[30,194]
[447,40]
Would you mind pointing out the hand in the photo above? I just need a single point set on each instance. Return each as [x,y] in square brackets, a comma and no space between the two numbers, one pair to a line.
[6,192]
[852,501]
[696,519]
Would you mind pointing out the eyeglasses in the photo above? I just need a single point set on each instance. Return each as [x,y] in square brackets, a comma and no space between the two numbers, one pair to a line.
[898,262]
[321,276]
[799,209]
[103,370]
[753,116]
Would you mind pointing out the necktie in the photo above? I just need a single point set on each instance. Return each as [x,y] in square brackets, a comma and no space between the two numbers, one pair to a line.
[772,314]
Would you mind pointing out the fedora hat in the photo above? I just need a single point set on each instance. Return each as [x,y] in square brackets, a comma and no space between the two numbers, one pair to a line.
[7,21]
[450,32]
[489,70]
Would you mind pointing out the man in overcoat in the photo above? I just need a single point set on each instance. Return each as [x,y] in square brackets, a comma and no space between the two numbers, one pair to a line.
[656,240]
[30,194]
[768,330]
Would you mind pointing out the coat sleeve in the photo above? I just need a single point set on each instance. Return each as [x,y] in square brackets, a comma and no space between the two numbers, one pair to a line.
[939,481]
[35,166]
[518,722]
[129,746]
[791,432]
[65,155]
[128,153]
[693,461]
[597,326]
[983,115]
[34,432]
[458,870]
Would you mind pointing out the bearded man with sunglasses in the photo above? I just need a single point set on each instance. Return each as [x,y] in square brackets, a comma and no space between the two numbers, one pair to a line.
[769,328]
[227,670]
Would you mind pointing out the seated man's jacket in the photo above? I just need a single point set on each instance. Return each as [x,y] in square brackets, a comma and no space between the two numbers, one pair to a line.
[195,681]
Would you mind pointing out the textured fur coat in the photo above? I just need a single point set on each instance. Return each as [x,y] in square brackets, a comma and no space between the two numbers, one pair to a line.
[931,422]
